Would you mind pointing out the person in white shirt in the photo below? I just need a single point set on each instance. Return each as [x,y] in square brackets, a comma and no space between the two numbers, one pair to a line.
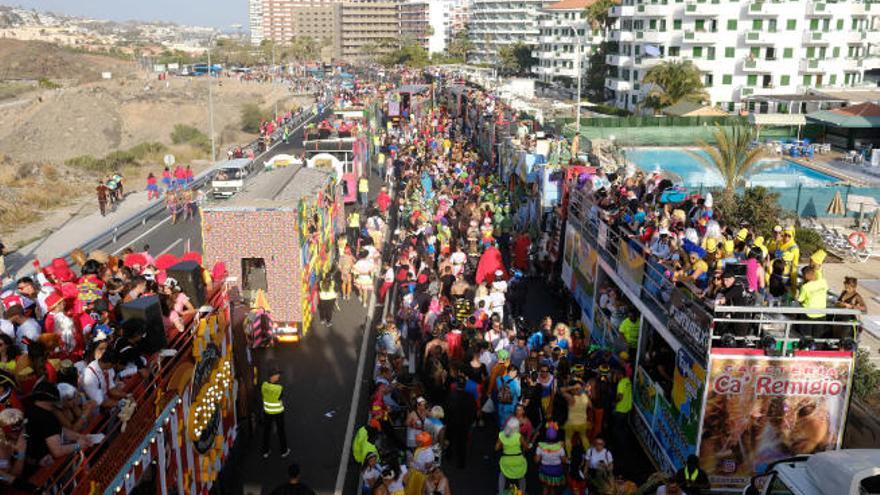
[26,329]
[670,488]
[98,381]
[36,294]
[598,457]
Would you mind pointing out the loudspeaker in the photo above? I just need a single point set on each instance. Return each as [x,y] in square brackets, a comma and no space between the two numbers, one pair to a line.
[189,276]
[147,309]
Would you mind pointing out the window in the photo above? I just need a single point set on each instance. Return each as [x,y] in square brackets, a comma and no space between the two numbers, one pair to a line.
[833,80]
[814,24]
[757,24]
[835,52]
[253,275]
[731,24]
[710,53]
[708,81]
[698,52]
[755,52]
[785,80]
[729,52]
[674,51]
[700,25]
[663,25]
[808,79]
[727,79]
[787,52]
[811,51]
[791,24]
[676,24]
[652,24]
[751,80]
[634,99]
[840,24]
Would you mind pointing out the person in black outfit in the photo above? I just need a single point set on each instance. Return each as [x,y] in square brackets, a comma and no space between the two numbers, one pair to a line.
[293,486]
[129,350]
[460,412]
[692,479]
[732,294]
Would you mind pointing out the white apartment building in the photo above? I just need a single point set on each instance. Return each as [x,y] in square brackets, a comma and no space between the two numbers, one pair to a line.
[496,23]
[565,32]
[745,48]
[255,21]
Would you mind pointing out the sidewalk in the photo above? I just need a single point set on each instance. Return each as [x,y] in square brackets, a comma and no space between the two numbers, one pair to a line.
[81,227]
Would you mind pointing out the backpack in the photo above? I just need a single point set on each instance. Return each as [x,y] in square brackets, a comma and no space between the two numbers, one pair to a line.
[505,395]
[260,328]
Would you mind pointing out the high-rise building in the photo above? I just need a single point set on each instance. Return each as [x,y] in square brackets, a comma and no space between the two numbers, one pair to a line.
[496,23]
[322,23]
[255,20]
[565,33]
[369,28]
[433,23]
[744,49]
[415,22]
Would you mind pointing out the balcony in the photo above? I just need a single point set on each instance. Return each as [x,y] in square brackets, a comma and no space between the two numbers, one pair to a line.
[855,64]
[654,10]
[653,36]
[768,9]
[753,66]
[677,305]
[622,11]
[622,36]
[856,37]
[618,60]
[644,62]
[815,38]
[763,38]
[615,84]
[820,9]
[704,8]
[699,37]
[861,9]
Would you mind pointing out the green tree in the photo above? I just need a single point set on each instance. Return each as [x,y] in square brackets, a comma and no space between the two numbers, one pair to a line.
[251,116]
[410,54]
[672,81]
[185,134]
[732,156]
[302,48]
[460,45]
[516,58]
[599,13]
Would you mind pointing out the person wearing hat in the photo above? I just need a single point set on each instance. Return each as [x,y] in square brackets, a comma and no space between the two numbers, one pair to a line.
[816,261]
[551,459]
[791,255]
[46,436]
[415,422]
[273,412]
[813,294]
[732,294]
[13,445]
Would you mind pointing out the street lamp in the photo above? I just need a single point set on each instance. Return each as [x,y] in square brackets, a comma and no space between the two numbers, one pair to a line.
[577,61]
[211,100]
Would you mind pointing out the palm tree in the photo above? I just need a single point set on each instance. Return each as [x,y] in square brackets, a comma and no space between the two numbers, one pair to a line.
[732,156]
[672,81]
[597,13]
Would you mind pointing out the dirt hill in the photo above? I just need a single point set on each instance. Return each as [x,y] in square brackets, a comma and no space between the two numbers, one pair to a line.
[33,60]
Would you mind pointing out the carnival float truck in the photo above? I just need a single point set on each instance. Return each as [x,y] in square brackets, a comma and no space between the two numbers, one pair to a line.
[277,239]
[740,387]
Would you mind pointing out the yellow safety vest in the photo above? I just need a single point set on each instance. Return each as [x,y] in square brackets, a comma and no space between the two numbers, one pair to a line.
[329,294]
[814,295]
[691,476]
[363,185]
[272,398]
[354,220]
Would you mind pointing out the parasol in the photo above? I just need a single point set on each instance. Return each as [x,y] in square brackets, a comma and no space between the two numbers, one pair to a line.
[874,229]
[835,207]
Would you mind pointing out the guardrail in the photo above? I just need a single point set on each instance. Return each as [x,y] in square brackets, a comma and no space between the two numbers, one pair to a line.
[111,235]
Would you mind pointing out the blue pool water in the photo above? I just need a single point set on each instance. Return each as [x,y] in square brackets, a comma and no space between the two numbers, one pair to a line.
[773,173]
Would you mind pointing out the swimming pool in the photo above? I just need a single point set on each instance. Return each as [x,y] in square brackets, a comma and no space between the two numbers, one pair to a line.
[772,173]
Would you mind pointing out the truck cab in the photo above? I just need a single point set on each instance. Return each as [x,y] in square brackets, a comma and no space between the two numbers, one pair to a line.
[837,472]
[230,177]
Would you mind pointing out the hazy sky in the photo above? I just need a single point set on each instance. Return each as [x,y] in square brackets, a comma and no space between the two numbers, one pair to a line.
[216,13]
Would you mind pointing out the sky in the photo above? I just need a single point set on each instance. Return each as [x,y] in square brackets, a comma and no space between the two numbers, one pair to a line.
[214,13]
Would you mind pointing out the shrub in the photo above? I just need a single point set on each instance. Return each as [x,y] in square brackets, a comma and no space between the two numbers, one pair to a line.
[251,116]
[45,83]
[809,241]
[609,110]
[145,150]
[866,377]
[185,134]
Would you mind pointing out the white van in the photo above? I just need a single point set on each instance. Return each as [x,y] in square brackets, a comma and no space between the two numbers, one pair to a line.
[230,177]
[836,472]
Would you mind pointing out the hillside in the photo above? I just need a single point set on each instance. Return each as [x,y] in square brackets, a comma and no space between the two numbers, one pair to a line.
[34,60]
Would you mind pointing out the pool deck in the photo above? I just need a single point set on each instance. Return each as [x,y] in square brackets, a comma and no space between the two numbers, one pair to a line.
[832,164]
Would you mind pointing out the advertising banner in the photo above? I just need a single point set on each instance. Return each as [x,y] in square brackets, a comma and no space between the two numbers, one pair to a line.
[579,270]
[630,265]
[760,409]
[690,323]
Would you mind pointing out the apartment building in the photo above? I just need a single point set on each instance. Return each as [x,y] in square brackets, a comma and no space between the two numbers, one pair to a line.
[564,33]
[322,23]
[433,23]
[415,21]
[255,21]
[275,19]
[495,23]
[369,28]
[744,49]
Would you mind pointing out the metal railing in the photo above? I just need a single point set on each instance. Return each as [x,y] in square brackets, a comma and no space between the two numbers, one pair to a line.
[112,235]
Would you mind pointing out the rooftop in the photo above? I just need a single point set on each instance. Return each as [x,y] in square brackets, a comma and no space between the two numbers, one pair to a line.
[570,5]
[864,116]
[279,189]
[853,95]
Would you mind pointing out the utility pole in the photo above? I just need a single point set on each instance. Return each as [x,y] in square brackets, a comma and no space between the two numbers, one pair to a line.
[273,78]
[211,101]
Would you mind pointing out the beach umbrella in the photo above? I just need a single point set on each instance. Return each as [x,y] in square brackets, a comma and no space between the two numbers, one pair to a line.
[835,207]
[874,229]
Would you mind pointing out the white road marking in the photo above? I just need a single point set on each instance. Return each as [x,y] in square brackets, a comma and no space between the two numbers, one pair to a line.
[170,247]
[148,232]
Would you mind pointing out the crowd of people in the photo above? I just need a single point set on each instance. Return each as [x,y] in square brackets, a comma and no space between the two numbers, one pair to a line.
[68,362]
[458,354]
[719,261]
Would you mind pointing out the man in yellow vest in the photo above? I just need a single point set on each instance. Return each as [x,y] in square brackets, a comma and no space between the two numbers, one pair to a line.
[691,478]
[273,412]
[354,229]
[363,191]
[813,294]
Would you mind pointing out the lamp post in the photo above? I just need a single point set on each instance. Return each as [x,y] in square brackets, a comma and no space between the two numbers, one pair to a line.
[211,101]
[577,61]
